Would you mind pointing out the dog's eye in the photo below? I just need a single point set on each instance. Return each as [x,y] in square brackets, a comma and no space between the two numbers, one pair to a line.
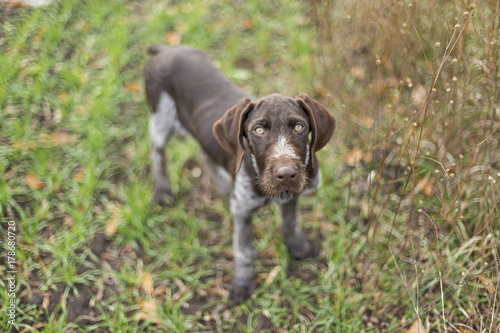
[259,130]
[299,127]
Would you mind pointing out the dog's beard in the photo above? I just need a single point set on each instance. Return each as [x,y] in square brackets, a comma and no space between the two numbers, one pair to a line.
[284,196]
[282,190]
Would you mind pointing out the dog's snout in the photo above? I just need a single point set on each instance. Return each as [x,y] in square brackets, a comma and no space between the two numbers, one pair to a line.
[284,173]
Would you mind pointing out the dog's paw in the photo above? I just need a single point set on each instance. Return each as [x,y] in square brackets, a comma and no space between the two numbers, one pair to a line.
[241,291]
[164,197]
[302,249]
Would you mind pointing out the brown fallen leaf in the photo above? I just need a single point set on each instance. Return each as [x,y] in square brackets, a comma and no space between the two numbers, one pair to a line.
[33,181]
[426,186]
[160,290]
[15,4]
[269,252]
[80,175]
[24,145]
[172,38]
[367,121]
[358,73]
[417,327]
[146,282]
[465,330]
[133,87]
[148,312]
[354,156]
[57,139]
[215,291]
[487,284]
[247,24]
[38,38]
[69,221]
[114,221]
[9,174]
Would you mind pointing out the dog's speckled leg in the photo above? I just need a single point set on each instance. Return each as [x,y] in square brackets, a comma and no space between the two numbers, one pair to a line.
[244,203]
[298,246]
[162,125]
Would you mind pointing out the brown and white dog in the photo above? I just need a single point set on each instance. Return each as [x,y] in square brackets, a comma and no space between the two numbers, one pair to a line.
[259,150]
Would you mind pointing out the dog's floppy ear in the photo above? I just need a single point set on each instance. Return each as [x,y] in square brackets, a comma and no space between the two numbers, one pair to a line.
[229,131]
[322,123]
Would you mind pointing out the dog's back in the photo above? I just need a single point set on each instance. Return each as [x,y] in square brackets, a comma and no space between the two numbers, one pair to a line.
[188,75]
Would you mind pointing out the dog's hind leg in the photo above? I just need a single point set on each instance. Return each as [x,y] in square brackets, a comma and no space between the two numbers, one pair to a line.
[162,125]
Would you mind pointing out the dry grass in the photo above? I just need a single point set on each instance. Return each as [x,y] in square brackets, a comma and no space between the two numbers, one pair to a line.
[419,89]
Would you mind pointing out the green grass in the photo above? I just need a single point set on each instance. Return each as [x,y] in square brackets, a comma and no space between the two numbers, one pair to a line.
[93,252]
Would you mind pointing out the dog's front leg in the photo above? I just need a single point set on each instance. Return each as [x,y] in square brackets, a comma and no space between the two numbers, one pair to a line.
[244,203]
[243,284]
[298,246]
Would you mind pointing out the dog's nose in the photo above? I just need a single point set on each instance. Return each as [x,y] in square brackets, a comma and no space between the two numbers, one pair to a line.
[285,173]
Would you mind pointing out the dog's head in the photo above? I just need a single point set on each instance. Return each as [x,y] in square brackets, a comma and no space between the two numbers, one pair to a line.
[282,135]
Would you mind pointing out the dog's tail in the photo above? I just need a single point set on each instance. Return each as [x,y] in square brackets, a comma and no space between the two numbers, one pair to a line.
[156,48]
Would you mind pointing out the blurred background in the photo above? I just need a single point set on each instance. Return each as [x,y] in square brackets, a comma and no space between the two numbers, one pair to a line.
[407,218]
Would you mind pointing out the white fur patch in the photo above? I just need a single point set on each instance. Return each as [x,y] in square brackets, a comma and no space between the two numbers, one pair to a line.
[163,122]
[283,148]
[245,200]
